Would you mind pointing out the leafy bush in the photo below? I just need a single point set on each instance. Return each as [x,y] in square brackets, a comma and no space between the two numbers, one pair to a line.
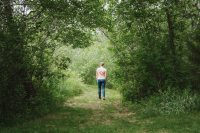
[50,95]
[60,89]
[88,73]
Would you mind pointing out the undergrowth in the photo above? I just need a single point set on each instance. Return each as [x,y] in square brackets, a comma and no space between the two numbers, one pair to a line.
[169,102]
[49,97]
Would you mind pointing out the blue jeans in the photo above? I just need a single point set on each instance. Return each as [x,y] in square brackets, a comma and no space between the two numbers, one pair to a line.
[101,87]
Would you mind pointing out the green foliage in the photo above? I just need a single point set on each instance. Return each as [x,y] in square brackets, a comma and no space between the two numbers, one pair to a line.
[171,102]
[194,58]
[74,85]
[49,97]
[150,40]
[45,45]
[86,61]
[30,34]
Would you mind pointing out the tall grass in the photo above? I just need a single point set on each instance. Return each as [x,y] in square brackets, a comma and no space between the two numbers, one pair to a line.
[56,90]
[171,102]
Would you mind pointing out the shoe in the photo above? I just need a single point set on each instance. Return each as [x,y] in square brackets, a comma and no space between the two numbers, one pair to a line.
[104,98]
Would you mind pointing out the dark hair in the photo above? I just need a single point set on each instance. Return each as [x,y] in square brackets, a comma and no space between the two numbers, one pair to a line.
[102,64]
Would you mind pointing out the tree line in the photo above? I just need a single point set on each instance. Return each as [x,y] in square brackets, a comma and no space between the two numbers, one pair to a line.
[157,46]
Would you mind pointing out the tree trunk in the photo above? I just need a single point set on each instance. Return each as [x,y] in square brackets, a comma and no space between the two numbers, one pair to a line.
[172,47]
[17,69]
[171,32]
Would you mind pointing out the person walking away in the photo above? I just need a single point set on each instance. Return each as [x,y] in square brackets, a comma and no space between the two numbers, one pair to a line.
[101,74]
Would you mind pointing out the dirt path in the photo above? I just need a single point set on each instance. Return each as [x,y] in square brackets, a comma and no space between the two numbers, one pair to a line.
[103,111]
[89,99]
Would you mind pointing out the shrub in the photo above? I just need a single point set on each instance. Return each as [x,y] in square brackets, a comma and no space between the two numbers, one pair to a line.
[50,95]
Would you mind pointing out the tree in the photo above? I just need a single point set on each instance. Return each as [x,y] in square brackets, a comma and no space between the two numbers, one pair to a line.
[30,31]
[150,41]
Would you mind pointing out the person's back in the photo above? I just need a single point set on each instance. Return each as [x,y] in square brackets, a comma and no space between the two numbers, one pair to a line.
[101,75]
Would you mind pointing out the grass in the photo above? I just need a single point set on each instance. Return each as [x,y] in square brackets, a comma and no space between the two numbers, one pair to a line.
[87,114]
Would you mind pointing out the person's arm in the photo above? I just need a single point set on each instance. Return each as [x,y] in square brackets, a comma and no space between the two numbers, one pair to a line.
[96,75]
